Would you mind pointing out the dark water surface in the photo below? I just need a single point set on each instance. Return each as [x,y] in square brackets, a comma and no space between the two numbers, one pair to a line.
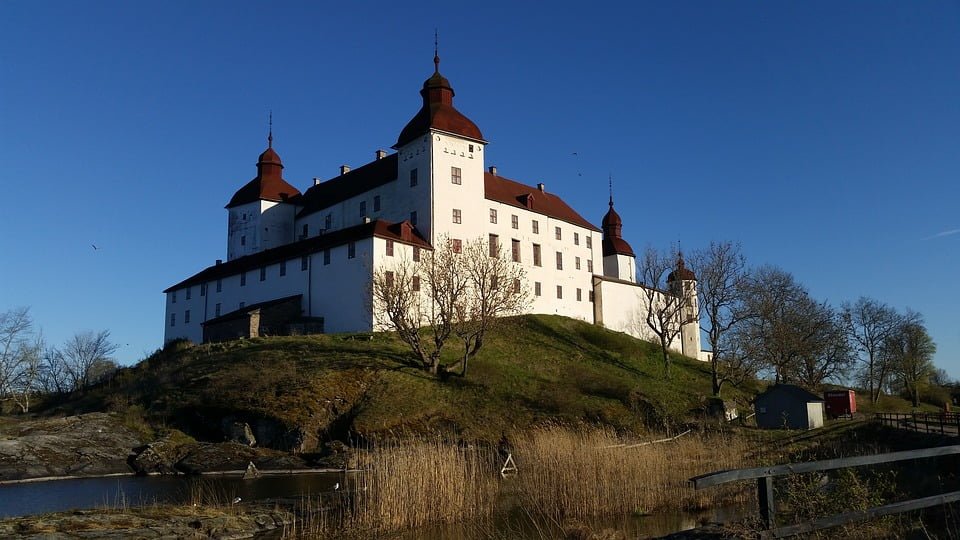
[127,491]
[118,491]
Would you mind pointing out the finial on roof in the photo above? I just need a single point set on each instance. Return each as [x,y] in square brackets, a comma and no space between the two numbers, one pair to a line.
[610,181]
[270,133]
[436,51]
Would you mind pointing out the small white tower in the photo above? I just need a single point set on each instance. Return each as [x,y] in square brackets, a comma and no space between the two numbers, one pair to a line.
[261,214]
[683,283]
[618,258]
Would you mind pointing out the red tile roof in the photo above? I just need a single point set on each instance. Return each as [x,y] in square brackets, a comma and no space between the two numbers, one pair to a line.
[613,242]
[513,193]
[245,311]
[399,232]
[268,185]
[438,112]
[354,183]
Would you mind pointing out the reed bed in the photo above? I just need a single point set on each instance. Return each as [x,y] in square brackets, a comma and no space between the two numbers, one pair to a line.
[414,484]
[578,474]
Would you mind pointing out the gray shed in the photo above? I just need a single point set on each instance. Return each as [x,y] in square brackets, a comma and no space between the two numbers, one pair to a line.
[788,406]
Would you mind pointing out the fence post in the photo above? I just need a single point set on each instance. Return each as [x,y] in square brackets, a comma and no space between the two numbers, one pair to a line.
[768,513]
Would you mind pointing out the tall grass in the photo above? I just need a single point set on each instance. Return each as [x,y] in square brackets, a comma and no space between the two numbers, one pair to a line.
[578,474]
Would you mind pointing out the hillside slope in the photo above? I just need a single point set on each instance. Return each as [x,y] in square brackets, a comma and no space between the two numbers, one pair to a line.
[297,392]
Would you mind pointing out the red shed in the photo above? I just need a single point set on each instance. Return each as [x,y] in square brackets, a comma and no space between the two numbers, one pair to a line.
[840,403]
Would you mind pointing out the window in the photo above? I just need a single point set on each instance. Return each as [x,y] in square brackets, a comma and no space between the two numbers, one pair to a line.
[173,297]
[590,265]
[590,296]
[328,222]
[576,262]
[536,227]
[536,255]
[559,260]
[217,310]
[242,304]
[536,288]
[413,177]
[589,242]
[283,268]
[243,240]
[263,273]
[243,279]
[576,239]
[306,230]
[579,295]
[304,262]
[363,208]
[173,319]
[515,222]
[515,250]
[455,175]
[558,233]
[351,250]
[326,257]
[413,218]
[456,245]
[494,283]
[416,283]
[388,279]
[389,248]
[203,289]
[560,291]
[471,148]
[493,215]
[219,285]
[189,291]
[416,254]
[457,216]
[186,317]
[376,203]
[516,286]
[494,245]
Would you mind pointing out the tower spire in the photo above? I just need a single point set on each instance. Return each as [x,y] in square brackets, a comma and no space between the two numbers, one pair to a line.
[436,51]
[610,181]
[270,133]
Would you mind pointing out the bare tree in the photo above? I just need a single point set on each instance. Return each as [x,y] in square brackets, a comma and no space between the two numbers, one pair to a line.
[82,353]
[27,374]
[496,289]
[53,377]
[455,290]
[789,333]
[664,312]
[869,323]
[722,272]
[16,329]
[910,349]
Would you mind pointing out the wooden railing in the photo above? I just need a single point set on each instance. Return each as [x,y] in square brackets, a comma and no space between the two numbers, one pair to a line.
[943,423]
[765,495]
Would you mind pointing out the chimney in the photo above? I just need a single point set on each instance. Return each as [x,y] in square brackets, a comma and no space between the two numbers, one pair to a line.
[381,154]
[316,181]
[541,187]
[344,169]
[493,170]
[219,262]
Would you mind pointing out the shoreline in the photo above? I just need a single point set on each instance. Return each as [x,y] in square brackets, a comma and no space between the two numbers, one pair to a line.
[230,472]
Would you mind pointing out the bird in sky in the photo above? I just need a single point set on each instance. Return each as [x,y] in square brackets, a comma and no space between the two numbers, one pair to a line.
[94,246]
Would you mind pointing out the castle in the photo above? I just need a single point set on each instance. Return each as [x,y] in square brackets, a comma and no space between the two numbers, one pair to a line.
[304,261]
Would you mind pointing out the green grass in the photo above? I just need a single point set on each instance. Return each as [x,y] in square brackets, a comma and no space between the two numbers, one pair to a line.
[536,370]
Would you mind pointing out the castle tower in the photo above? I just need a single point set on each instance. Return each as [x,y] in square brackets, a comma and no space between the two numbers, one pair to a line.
[440,164]
[618,258]
[683,283]
[261,214]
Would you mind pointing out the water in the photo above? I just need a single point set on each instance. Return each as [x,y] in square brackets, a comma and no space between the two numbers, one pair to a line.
[117,491]
[126,491]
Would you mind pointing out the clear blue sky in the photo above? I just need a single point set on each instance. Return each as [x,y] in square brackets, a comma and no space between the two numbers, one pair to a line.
[822,136]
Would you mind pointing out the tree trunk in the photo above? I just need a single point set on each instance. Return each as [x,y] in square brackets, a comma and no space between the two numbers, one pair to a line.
[714,377]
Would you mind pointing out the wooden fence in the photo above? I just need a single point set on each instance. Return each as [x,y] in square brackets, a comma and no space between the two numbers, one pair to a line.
[765,495]
[943,423]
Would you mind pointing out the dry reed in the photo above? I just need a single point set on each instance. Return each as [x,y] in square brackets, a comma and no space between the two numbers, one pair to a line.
[577,474]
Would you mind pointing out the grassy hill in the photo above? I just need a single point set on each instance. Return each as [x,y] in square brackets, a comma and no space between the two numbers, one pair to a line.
[299,391]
